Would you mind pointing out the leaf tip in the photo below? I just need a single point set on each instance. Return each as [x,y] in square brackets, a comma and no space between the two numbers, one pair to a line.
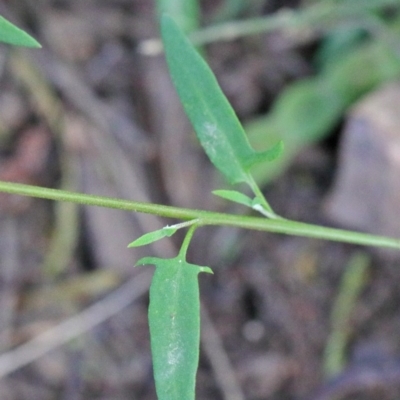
[145,261]
[271,154]
[233,195]
[207,270]
[151,237]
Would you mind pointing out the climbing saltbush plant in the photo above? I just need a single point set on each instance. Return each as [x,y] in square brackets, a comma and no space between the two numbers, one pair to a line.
[174,310]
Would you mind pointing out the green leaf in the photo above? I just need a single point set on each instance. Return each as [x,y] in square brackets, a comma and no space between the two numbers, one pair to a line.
[271,154]
[151,237]
[10,34]
[216,124]
[174,319]
[186,13]
[234,196]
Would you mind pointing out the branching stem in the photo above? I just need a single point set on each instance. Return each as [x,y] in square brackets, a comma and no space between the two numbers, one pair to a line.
[283,226]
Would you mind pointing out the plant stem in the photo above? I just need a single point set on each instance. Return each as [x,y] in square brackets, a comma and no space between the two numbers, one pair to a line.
[184,224]
[352,284]
[187,240]
[266,209]
[205,217]
[322,14]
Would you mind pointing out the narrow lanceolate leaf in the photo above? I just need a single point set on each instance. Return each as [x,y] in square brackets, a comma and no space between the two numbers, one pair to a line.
[151,237]
[234,196]
[216,124]
[10,34]
[174,319]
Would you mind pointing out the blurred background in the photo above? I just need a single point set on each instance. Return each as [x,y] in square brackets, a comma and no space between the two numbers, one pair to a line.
[94,110]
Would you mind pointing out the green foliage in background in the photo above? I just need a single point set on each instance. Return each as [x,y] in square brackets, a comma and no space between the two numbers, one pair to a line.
[351,61]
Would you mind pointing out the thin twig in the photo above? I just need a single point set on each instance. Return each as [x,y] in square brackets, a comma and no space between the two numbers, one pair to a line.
[223,370]
[76,325]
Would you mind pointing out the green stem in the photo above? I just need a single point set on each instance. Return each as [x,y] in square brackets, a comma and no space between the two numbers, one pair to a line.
[265,208]
[321,15]
[316,16]
[205,217]
[184,224]
[186,241]
[352,284]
